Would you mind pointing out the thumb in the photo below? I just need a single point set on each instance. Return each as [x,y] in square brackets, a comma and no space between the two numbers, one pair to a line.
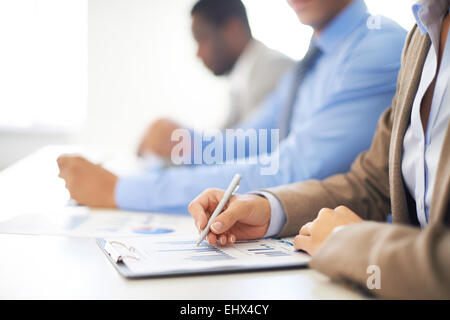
[225,220]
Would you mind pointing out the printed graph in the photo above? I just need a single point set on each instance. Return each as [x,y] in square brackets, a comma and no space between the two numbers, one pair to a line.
[180,254]
[258,249]
[203,252]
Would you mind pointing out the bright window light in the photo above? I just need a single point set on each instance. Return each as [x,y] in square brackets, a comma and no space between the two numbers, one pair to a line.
[277,25]
[43,63]
[399,11]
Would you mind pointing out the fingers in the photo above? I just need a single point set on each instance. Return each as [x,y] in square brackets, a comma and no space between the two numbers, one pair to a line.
[63,163]
[68,169]
[60,161]
[323,212]
[313,234]
[340,209]
[211,238]
[67,161]
[343,209]
[223,239]
[303,243]
[198,212]
[226,220]
[201,209]
[306,230]
[342,214]
[220,227]
[202,206]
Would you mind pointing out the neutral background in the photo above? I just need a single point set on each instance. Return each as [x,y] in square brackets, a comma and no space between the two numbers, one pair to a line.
[131,61]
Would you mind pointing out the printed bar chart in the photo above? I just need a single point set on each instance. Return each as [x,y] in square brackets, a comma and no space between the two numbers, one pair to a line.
[177,255]
[205,251]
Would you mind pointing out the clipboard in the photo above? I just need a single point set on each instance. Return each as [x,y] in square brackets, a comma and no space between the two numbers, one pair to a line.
[123,256]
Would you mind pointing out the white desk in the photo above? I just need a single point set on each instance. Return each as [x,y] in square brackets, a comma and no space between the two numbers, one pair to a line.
[50,267]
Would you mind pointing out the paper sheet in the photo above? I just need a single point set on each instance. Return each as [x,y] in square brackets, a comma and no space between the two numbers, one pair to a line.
[99,223]
[179,253]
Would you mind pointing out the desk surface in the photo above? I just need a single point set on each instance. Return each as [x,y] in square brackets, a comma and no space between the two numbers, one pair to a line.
[51,267]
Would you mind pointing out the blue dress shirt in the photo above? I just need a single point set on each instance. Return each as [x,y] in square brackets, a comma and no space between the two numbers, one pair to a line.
[333,120]
[421,152]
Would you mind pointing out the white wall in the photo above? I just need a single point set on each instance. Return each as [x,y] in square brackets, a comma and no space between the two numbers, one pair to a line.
[142,65]
[43,73]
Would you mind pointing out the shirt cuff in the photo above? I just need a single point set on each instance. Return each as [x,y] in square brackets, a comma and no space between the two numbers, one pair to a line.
[277,214]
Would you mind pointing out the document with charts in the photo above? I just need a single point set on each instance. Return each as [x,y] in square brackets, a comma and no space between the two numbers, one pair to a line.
[177,255]
[94,223]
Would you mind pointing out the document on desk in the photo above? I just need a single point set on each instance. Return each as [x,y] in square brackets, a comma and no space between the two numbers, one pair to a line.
[179,255]
[88,223]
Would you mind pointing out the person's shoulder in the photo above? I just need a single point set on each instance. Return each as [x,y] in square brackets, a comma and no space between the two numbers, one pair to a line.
[270,55]
[382,33]
[380,42]
[271,65]
[382,27]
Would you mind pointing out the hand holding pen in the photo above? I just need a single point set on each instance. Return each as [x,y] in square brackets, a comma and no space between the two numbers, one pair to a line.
[239,217]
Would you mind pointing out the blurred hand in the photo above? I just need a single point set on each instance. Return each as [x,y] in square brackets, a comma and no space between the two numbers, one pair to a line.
[244,217]
[157,139]
[89,184]
[313,234]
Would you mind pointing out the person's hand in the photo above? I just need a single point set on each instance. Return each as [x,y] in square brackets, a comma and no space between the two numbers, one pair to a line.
[157,139]
[244,217]
[88,184]
[313,234]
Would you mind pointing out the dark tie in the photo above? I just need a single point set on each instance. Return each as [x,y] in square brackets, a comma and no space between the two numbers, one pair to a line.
[301,70]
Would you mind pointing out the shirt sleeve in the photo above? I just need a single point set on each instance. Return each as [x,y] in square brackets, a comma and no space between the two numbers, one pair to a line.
[265,117]
[277,214]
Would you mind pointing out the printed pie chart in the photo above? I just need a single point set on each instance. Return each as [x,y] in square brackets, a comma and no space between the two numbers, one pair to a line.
[151,230]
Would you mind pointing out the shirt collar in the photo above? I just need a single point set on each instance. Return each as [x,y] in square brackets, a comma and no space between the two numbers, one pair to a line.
[344,23]
[427,11]
[429,15]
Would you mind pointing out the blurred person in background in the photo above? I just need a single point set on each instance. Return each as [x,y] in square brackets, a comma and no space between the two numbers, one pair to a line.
[227,48]
[326,110]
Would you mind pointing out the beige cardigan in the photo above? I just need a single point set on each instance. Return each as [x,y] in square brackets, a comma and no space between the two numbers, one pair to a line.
[413,262]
